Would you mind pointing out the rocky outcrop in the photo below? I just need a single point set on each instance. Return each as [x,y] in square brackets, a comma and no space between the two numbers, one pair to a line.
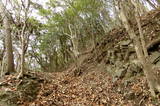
[14,92]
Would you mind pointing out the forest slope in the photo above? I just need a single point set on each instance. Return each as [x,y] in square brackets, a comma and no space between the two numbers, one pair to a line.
[108,75]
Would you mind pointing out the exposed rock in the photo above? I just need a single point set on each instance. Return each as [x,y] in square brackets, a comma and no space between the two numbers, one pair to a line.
[96,88]
[158,63]
[8,98]
[14,92]
[155,57]
[120,73]
[130,96]
[133,70]
[125,43]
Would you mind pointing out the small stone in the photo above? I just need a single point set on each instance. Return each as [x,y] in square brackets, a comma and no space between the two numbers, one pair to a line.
[104,101]
[125,43]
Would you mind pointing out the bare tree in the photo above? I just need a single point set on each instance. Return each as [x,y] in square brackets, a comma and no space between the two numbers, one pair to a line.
[22,36]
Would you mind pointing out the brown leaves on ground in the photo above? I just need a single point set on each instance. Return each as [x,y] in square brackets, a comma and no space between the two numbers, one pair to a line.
[92,89]
[95,87]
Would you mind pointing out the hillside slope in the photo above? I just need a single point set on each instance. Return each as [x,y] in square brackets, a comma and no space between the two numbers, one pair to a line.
[108,75]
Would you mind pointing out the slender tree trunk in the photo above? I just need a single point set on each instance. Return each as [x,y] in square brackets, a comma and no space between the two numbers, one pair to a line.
[137,17]
[8,38]
[74,42]
[148,68]
[22,52]
[118,21]
[22,58]
[75,50]
[23,49]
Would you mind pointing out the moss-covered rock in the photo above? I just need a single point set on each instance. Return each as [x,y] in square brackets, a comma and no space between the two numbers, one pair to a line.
[19,91]
[28,90]
[8,98]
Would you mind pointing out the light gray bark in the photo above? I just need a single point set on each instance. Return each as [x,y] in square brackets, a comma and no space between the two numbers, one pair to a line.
[148,68]
[8,38]
[23,34]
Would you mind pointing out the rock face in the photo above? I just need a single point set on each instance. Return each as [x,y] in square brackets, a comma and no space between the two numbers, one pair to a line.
[13,92]
[96,88]
[155,57]
[125,43]
[8,98]
[121,60]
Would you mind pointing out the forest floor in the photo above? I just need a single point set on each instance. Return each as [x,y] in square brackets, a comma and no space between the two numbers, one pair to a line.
[94,84]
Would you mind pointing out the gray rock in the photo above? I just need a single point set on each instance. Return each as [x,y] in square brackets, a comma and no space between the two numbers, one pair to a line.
[110,69]
[130,96]
[133,70]
[120,73]
[8,98]
[155,57]
[119,64]
[158,63]
[125,43]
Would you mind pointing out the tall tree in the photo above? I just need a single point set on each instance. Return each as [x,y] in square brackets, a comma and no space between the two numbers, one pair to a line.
[8,38]
[140,47]
[25,5]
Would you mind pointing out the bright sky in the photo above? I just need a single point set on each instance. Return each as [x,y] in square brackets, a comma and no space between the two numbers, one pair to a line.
[43,3]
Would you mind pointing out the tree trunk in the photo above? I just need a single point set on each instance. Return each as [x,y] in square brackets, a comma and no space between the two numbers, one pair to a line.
[22,60]
[153,81]
[22,52]
[8,39]
[23,48]
[137,17]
